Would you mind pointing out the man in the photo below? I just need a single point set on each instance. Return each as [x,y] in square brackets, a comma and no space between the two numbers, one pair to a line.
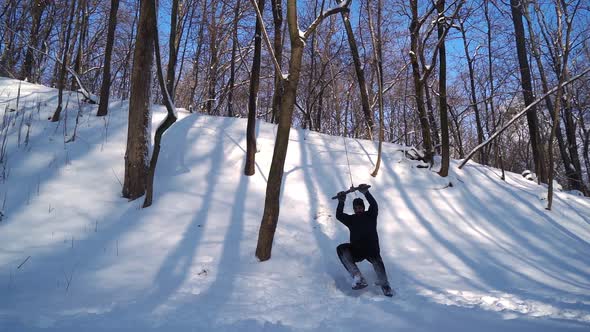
[364,241]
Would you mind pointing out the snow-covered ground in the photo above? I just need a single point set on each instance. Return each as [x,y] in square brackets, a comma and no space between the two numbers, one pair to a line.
[482,255]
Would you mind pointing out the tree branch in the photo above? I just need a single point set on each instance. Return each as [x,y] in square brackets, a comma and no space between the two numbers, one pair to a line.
[267,39]
[516,117]
[341,7]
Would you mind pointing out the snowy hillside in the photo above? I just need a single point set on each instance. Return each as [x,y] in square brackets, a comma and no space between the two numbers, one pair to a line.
[480,255]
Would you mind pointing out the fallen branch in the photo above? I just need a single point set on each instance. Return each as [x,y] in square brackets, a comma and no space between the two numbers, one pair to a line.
[517,116]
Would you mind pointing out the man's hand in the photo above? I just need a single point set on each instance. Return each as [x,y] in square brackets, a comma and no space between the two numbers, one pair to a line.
[363,188]
[341,196]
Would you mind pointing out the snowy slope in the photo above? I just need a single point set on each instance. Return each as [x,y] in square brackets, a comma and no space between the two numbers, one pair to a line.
[482,255]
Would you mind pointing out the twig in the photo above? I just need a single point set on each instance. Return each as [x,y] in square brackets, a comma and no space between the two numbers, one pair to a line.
[23,263]
[450,184]
[68,280]
[116,177]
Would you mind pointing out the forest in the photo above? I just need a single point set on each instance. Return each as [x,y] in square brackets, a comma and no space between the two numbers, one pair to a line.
[442,76]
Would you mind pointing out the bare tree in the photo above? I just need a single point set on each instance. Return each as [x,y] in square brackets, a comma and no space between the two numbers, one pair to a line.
[472,94]
[563,47]
[418,79]
[138,133]
[64,64]
[168,121]
[490,101]
[422,68]
[377,39]
[249,167]
[124,87]
[234,48]
[8,58]
[558,46]
[442,89]
[298,38]
[175,37]
[277,14]
[360,74]
[196,59]
[106,76]
[527,90]
[215,33]
[81,33]
[36,13]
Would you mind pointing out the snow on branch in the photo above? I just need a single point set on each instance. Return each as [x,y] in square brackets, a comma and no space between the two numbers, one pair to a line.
[341,7]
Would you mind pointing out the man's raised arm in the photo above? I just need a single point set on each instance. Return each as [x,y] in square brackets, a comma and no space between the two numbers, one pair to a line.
[373,207]
[340,215]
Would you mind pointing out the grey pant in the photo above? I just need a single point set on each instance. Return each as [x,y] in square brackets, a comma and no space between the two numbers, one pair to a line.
[349,258]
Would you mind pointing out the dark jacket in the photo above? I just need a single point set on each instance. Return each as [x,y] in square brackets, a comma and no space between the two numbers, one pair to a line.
[363,228]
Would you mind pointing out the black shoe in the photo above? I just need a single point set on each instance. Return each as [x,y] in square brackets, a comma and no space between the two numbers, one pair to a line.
[359,282]
[387,291]
[359,285]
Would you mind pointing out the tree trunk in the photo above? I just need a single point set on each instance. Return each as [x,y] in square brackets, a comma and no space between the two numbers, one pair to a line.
[585,146]
[62,72]
[431,113]
[536,52]
[442,87]
[270,215]
[275,178]
[214,56]
[106,76]
[360,74]
[39,67]
[527,87]
[138,133]
[378,53]
[173,43]
[309,105]
[234,48]
[196,59]
[186,17]
[277,13]
[82,34]
[250,164]
[7,59]
[126,67]
[457,133]
[36,12]
[553,130]
[480,134]
[418,83]
[563,47]
[497,145]
[170,116]
[575,178]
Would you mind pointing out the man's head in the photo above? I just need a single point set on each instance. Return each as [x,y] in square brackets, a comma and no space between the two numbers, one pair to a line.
[358,205]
